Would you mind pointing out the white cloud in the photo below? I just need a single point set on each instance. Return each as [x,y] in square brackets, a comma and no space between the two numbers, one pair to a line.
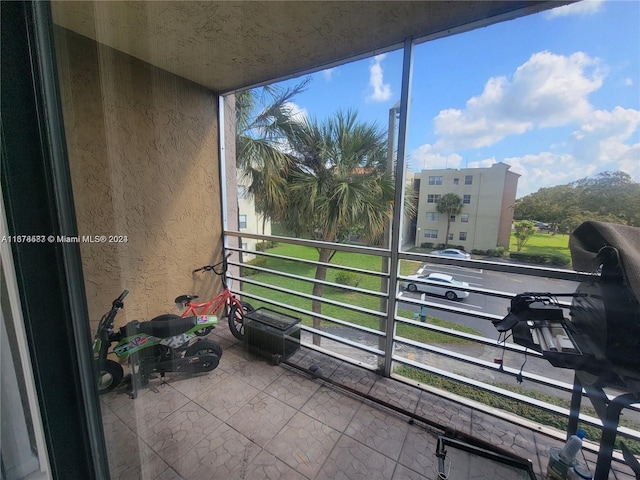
[381,91]
[628,82]
[597,145]
[601,140]
[584,7]
[298,113]
[328,73]
[548,90]
[486,163]
[425,157]
[546,169]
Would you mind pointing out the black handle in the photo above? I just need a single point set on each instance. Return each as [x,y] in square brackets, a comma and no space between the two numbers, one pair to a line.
[117,303]
[208,268]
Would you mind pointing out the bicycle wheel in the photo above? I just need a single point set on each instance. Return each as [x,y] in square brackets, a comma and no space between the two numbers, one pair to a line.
[236,319]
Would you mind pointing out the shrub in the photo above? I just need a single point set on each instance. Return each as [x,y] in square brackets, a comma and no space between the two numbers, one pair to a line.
[426,245]
[540,258]
[349,279]
[475,251]
[262,246]
[496,252]
[248,271]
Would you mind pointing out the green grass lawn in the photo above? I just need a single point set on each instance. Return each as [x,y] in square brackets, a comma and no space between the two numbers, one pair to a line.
[545,243]
[363,300]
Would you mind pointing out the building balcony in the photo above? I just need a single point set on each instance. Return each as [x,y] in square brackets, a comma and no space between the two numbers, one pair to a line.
[326,412]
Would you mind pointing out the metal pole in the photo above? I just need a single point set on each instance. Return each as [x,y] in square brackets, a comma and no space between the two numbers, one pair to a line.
[384,283]
[398,209]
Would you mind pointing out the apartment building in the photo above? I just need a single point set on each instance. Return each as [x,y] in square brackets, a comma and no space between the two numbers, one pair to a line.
[488,196]
[249,221]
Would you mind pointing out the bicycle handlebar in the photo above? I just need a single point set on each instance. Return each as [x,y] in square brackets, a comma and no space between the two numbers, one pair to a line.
[209,268]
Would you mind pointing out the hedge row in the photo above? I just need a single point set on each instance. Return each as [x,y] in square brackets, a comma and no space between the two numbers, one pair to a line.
[540,258]
[440,246]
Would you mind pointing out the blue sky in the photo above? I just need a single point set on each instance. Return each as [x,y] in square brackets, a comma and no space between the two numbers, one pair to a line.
[555,95]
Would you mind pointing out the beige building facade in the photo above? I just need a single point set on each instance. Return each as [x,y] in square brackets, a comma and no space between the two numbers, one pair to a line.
[488,196]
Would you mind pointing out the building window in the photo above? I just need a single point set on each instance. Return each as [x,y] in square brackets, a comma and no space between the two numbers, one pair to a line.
[451,236]
[462,236]
[464,217]
[245,246]
[431,198]
[456,181]
[452,218]
[435,180]
[431,234]
[466,199]
[468,179]
[433,216]
[242,221]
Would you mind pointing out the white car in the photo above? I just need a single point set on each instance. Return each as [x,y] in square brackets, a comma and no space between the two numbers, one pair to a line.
[452,253]
[438,284]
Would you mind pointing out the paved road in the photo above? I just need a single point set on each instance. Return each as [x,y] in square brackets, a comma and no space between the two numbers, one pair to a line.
[507,282]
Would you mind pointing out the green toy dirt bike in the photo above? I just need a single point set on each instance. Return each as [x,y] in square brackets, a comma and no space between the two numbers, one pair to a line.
[167,343]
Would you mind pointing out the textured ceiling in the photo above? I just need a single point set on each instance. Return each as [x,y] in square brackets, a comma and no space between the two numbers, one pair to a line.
[230,45]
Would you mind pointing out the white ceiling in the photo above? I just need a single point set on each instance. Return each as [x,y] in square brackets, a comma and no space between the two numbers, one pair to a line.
[229,45]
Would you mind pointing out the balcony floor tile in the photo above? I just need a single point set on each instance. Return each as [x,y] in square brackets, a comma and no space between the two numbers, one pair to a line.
[250,419]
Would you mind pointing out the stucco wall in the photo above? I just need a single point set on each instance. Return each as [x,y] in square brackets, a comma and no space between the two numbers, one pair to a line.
[143,154]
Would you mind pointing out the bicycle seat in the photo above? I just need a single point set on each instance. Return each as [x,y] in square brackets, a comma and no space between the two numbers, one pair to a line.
[167,325]
[185,299]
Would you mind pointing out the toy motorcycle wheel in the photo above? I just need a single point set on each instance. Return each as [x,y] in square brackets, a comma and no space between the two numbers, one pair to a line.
[201,348]
[109,376]
[236,319]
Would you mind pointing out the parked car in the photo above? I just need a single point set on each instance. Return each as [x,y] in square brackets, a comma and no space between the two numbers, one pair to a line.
[452,253]
[438,284]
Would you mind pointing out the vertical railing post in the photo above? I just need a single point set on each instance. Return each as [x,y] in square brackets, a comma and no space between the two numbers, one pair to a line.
[398,209]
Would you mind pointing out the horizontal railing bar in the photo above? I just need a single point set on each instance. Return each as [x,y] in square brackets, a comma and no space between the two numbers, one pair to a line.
[530,270]
[486,364]
[482,291]
[379,252]
[309,262]
[314,297]
[373,293]
[588,419]
[499,391]
[479,290]
[512,347]
[312,314]
[342,340]
[447,308]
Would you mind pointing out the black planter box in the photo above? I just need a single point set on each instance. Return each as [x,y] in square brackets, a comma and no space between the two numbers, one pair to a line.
[272,334]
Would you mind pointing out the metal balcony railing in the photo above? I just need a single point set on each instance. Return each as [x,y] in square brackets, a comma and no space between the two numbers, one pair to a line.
[345,335]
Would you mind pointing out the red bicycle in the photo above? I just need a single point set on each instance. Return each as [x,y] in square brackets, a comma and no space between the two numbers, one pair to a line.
[234,309]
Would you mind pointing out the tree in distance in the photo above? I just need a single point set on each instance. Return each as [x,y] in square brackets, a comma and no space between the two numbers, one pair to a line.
[523,231]
[450,204]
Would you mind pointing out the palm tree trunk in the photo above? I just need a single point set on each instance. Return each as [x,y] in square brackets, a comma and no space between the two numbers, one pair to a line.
[446,238]
[318,288]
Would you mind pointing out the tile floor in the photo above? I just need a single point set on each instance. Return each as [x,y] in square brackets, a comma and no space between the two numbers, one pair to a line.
[248,419]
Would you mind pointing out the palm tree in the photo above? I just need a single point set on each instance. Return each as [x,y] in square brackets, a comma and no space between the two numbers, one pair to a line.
[450,205]
[264,120]
[336,182]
